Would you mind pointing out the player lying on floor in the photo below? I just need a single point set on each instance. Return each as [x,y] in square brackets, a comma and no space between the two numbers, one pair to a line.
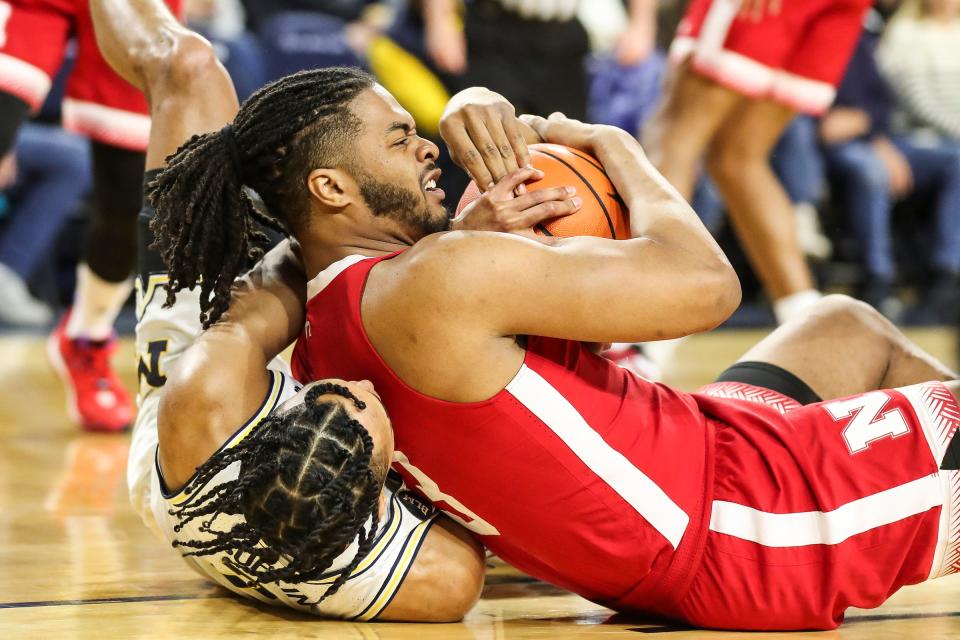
[752,504]
[290,472]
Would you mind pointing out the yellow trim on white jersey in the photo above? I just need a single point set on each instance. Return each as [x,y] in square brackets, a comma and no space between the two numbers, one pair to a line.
[145,293]
[399,571]
[386,537]
[273,398]
[270,402]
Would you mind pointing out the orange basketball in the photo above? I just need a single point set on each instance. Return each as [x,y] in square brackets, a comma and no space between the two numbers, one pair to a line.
[603,214]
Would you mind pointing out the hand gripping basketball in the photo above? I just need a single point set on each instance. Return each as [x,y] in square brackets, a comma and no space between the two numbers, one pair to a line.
[500,210]
[599,211]
[559,129]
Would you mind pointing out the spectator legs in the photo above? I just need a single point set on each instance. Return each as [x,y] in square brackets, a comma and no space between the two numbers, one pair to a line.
[54,173]
[867,199]
[796,160]
[938,169]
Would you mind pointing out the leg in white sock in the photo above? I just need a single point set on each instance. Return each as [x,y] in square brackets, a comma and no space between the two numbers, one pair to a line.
[96,305]
[794,305]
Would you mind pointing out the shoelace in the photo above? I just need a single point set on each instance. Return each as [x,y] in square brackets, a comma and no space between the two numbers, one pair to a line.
[89,358]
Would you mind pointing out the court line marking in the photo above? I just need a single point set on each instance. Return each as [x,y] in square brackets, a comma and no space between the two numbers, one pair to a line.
[494,580]
[119,600]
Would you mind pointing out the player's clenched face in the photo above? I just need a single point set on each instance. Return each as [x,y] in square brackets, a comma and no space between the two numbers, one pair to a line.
[396,169]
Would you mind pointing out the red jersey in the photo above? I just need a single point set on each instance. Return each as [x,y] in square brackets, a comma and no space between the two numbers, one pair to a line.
[562,473]
[99,104]
[733,508]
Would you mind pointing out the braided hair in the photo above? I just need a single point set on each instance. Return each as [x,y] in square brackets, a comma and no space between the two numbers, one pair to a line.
[206,224]
[305,489]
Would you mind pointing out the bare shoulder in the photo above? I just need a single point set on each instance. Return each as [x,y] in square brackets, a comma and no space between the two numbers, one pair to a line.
[435,309]
[461,258]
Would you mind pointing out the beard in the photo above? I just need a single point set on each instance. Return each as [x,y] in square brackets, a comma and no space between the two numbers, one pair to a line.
[406,206]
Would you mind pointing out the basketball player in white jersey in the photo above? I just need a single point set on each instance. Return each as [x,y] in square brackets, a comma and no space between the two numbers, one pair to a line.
[412,565]
[270,489]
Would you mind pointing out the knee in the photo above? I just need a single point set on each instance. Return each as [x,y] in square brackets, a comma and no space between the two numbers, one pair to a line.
[863,171]
[842,313]
[727,160]
[180,60]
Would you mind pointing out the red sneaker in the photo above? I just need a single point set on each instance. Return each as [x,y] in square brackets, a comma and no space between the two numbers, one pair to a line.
[96,400]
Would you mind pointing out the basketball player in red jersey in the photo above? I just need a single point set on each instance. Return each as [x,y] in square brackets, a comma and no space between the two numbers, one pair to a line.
[738,507]
[749,505]
[743,70]
[733,508]
[100,105]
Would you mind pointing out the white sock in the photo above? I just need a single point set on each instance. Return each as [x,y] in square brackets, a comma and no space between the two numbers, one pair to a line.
[96,305]
[663,352]
[794,305]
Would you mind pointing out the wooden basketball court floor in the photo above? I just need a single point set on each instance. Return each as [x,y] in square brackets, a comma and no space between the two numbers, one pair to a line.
[75,562]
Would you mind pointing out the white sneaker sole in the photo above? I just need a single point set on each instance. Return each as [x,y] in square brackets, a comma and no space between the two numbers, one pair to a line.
[56,361]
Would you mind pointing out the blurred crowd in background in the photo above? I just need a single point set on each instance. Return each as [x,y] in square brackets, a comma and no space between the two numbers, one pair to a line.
[875,182]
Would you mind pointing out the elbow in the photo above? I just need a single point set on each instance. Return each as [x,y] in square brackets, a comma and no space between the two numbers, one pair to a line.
[175,60]
[718,295]
[728,295]
[456,602]
[729,292]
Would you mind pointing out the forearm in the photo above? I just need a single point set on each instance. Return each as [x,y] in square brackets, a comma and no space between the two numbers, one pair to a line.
[438,12]
[843,124]
[657,210]
[188,90]
[268,303]
[643,11]
[444,582]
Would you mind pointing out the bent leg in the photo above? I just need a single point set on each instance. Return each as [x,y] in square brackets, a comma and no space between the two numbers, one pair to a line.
[118,196]
[832,505]
[844,347]
[761,212]
[691,112]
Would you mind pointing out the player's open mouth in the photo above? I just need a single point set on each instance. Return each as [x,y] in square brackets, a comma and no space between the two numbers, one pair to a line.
[430,186]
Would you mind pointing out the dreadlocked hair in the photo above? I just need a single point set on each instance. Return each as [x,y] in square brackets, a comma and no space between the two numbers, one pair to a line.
[206,224]
[305,489]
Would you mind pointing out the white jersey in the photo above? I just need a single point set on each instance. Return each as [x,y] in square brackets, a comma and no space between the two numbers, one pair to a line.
[162,336]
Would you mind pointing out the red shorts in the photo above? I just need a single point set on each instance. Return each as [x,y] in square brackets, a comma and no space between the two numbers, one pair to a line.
[98,103]
[828,506]
[796,57]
